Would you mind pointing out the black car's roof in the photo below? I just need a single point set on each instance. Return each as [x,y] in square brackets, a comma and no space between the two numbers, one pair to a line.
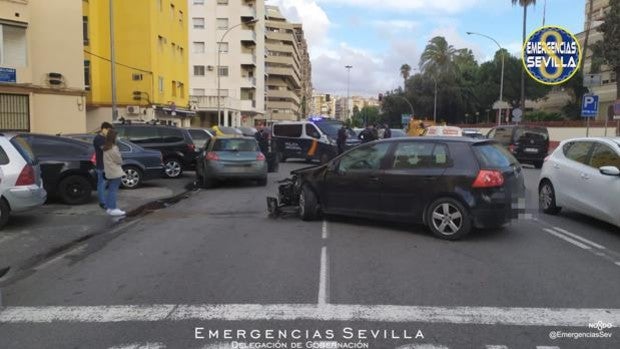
[437,139]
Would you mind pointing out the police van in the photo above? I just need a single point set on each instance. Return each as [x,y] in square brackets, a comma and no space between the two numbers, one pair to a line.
[310,140]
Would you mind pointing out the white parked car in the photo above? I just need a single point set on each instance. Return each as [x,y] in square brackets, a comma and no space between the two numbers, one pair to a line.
[583,175]
[21,187]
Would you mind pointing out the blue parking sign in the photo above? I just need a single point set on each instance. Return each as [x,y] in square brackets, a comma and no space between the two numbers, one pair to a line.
[589,106]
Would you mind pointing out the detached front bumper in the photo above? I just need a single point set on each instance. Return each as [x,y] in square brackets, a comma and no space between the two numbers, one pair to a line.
[287,202]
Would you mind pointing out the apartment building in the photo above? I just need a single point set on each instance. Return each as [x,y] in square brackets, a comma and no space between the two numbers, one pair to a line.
[151,61]
[228,34]
[607,90]
[288,68]
[355,103]
[41,67]
[323,104]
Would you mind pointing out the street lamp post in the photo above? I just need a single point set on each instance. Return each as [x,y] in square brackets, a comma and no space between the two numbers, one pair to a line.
[113,63]
[501,84]
[219,57]
[435,103]
[348,67]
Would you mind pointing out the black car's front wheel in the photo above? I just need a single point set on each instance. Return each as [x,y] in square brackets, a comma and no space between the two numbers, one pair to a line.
[448,219]
[74,190]
[308,204]
[132,178]
[173,168]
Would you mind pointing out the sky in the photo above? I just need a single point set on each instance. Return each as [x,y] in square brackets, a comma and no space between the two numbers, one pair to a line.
[377,36]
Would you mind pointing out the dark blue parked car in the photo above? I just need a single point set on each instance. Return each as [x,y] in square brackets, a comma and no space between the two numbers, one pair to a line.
[139,164]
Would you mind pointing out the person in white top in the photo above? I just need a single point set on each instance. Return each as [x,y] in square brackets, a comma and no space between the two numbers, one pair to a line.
[112,167]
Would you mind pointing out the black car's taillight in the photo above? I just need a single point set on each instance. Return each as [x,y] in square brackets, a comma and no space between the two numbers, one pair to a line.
[488,179]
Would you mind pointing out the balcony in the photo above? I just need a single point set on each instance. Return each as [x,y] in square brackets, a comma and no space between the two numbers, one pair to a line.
[210,102]
[248,82]
[283,94]
[287,72]
[248,105]
[248,11]
[248,59]
[248,35]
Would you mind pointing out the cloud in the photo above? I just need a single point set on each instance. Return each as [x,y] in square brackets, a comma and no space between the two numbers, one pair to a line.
[449,6]
[459,41]
[315,21]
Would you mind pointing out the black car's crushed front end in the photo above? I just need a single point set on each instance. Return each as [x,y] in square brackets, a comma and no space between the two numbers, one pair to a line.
[287,202]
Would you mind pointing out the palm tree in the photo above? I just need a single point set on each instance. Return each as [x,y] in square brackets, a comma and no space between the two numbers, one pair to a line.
[405,72]
[438,60]
[524,4]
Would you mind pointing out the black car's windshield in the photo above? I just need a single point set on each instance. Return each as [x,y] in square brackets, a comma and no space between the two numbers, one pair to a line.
[235,145]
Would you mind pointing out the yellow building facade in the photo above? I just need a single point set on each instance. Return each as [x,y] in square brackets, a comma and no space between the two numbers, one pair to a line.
[41,72]
[151,55]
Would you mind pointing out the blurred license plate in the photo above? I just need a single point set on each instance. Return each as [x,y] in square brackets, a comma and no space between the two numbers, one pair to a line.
[531,150]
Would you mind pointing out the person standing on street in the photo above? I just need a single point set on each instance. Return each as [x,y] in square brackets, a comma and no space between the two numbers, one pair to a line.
[369,134]
[341,141]
[262,137]
[388,133]
[112,165]
[98,143]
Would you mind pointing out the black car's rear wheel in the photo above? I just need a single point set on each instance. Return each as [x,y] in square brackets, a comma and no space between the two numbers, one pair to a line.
[4,213]
[173,168]
[132,178]
[74,190]
[308,204]
[546,198]
[448,219]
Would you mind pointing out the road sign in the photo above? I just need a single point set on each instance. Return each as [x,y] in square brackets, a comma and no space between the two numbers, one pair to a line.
[589,106]
[590,80]
[617,110]
[405,119]
[501,105]
[8,75]
[517,114]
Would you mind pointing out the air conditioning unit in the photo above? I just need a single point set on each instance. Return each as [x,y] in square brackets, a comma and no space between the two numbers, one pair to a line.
[133,110]
[210,68]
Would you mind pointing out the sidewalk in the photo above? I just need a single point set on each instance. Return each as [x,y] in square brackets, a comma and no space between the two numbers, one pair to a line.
[34,234]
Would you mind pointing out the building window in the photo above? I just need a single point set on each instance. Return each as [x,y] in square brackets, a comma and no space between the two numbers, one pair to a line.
[223,47]
[222,2]
[181,51]
[13,46]
[85,30]
[173,88]
[180,17]
[223,71]
[136,77]
[181,90]
[198,92]
[160,83]
[160,3]
[14,112]
[198,22]
[199,47]
[199,70]
[222,23]
[87,75]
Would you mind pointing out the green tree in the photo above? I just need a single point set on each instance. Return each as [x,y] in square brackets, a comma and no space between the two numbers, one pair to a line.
[610,45]
[368,115]
[524,4]
[405,72]
[438,58]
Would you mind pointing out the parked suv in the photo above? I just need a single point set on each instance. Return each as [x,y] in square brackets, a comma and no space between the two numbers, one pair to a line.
[66,169]
[529,144]
[21,187]
[175,144]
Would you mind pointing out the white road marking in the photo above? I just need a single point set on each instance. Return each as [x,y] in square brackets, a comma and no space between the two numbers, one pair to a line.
[140,346]
[567,239]
[546,347]
[575,236]
[496,347]
[325,234]
[323,278]
[549,317]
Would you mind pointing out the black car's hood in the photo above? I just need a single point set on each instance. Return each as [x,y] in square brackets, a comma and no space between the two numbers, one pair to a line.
[308,169]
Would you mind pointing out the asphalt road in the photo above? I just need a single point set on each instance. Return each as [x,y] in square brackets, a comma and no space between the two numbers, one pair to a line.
[216,262]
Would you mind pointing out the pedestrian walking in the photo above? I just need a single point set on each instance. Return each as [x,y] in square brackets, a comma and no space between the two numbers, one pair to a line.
[112,165]
[387,133]
[262,137]
[369,134]
[98,144]
[341,140]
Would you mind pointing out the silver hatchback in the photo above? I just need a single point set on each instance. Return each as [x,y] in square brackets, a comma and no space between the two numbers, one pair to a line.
[21,187]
